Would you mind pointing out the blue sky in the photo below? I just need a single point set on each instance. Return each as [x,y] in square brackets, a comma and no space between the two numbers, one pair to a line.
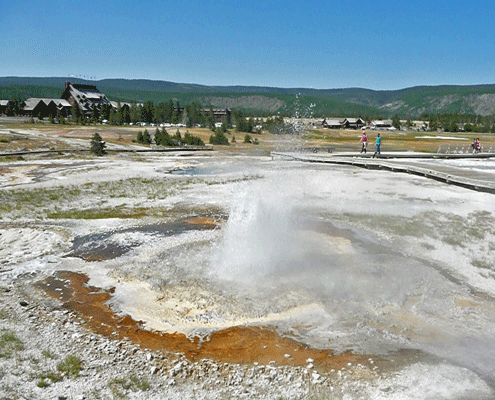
[381,44]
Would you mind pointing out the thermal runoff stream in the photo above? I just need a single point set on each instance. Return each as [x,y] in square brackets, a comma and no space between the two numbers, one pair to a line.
[334,257]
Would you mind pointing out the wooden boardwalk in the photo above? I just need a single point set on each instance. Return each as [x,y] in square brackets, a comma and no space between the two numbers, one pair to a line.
[421,164]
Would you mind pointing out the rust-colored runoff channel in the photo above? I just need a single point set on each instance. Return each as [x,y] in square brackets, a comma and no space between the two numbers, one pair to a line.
[238,344]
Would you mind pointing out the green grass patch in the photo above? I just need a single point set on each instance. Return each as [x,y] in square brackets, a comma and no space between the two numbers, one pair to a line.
[11,158]
[47,378]
[427,246]
[42,383]
[483,263]
[243,179]
[9,344]
[59,202]
[70,366]
[138,212]
[119,386]
[34,360]
[48,354]
[114,212]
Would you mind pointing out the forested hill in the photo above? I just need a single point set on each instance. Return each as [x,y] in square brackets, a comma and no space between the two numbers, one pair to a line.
[409,102]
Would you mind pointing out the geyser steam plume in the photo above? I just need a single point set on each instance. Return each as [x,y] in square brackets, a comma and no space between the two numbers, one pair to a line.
[261,234]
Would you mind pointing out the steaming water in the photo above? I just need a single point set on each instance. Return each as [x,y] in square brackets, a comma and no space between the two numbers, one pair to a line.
[338,258]
[335,257]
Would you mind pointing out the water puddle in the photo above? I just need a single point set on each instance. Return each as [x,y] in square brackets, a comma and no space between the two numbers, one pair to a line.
[192,171]
[116,243]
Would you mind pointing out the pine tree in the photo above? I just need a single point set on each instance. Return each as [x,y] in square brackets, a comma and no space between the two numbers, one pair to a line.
[95,115]
[126,115]
[105,112]
[75,112]
[146,137]
[97,145]
[396,121]
[119,117]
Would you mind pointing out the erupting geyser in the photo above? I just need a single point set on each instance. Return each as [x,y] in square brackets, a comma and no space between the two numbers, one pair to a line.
[261,236]
[333,257]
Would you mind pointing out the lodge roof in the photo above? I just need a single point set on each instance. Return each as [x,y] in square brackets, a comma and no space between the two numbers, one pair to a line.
[86,96]
[353,120]
[332,121]
[115,104]
[385,122]
[31,103]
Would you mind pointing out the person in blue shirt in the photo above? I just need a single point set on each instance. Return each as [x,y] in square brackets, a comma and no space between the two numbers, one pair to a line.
[378,142]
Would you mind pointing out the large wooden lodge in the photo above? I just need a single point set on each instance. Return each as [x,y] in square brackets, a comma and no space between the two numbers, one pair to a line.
[87,97]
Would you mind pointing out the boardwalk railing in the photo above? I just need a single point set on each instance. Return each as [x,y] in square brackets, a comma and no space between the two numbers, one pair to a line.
[466,149]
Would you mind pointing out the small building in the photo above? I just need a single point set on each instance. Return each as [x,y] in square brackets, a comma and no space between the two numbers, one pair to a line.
[87,97]
[381,124]
[63,107]
[313,122]
[353,123]
[332,123]
[45,107]
[36,107]
[4,104]
[218,113]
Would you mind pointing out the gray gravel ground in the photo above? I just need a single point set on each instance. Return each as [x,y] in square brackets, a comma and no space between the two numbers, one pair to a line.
[38,335]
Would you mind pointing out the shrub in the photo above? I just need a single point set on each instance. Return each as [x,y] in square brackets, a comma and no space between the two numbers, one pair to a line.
[219,138]
[52,376]
[9,343]
[163,138]
[42,383]
[70,366]
[248,138]
[192,140]
[119,385]
[48,354]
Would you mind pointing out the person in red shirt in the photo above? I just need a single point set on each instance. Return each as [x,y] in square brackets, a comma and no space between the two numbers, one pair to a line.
[364,141]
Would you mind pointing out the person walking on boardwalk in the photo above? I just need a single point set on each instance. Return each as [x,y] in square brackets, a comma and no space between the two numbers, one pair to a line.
[477,146]
[364,141]
[378,142]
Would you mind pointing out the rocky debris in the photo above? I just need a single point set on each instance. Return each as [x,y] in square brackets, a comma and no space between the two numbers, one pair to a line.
[119,368]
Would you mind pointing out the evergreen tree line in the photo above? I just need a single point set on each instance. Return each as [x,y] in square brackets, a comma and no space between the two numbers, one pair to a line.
[163,138]
[460,122]
[166,112]
[14,107]
[276,125]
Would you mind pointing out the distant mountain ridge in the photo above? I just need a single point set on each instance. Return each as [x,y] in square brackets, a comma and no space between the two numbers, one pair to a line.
[408,102]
